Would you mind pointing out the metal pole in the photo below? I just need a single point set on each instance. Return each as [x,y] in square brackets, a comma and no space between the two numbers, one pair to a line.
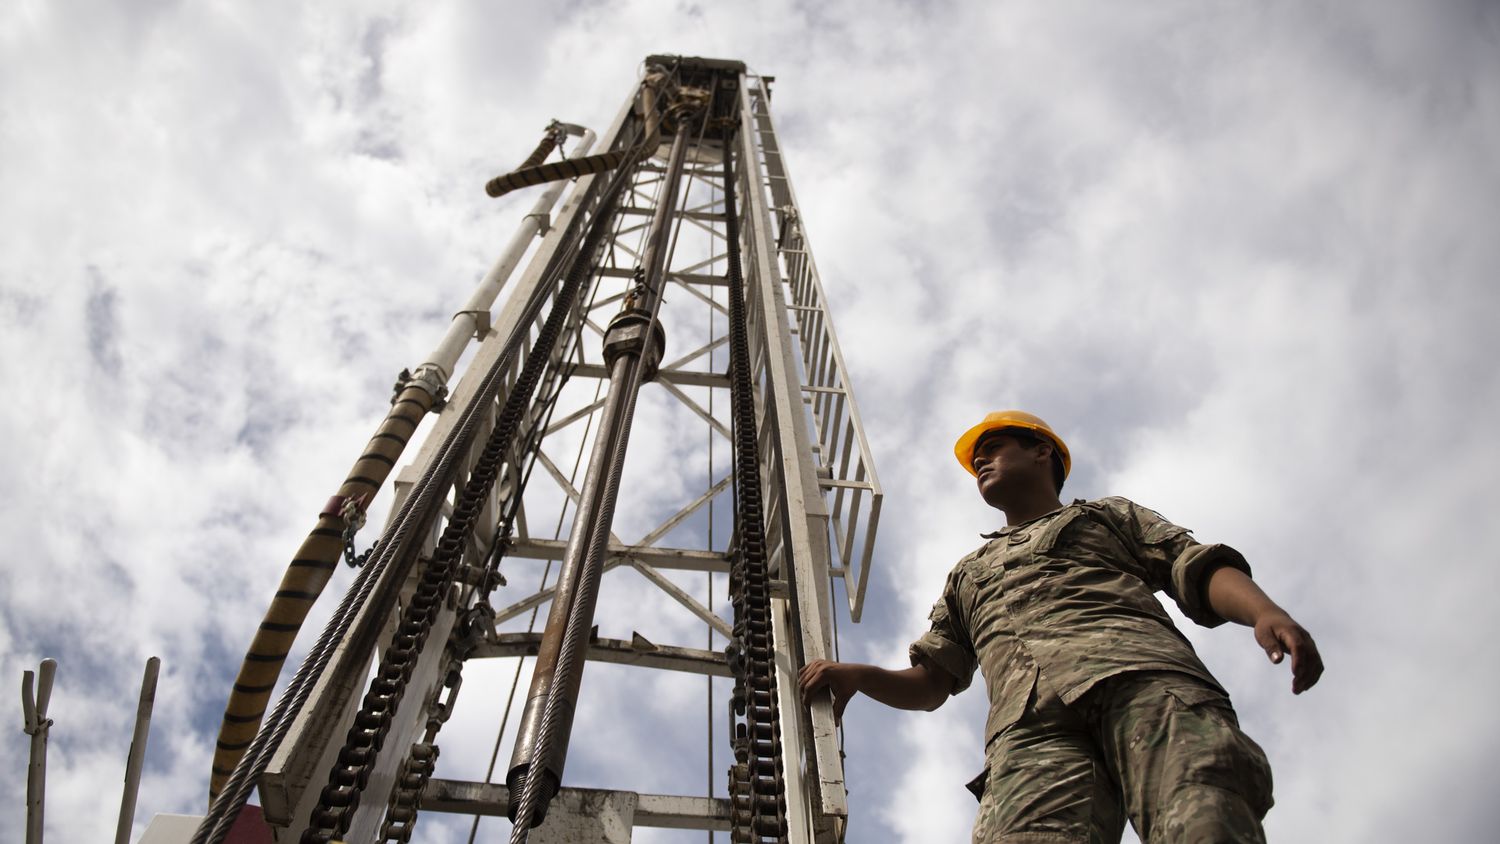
[137,750]
[34,705]
[542,738]
[802,507]
[467,322]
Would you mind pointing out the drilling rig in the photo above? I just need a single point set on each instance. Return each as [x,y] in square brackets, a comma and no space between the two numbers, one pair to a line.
[667,342]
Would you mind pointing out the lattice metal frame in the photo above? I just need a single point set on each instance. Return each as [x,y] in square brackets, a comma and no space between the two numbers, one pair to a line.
[822,492]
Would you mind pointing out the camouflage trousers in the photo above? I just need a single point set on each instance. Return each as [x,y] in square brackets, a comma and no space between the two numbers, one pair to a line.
[1162,748]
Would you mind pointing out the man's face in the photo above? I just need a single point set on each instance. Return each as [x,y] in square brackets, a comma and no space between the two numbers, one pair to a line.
[1005,466]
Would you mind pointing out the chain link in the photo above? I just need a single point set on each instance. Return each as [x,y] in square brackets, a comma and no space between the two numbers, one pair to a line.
[757,790]
[757,786]
[352,511]
[352,559]
[406,801]
[340,798]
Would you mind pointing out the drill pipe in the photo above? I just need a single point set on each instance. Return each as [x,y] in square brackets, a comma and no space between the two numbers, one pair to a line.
[547,721]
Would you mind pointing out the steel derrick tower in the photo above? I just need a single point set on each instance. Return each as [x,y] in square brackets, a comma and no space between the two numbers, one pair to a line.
[656,433]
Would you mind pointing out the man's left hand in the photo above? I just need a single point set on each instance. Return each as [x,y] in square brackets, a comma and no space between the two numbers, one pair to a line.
[1278,634]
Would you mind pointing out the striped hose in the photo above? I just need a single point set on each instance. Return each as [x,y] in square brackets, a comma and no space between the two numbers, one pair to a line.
[531,173]
[319,554]
[550,139]
[303,582]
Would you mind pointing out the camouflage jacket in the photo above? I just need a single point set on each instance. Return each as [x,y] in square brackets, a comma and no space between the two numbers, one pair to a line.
[1068,596]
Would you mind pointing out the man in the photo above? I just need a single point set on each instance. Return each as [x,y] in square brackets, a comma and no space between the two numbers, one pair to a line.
[1099,708]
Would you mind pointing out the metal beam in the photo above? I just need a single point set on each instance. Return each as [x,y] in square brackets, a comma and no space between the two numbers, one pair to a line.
[618,651]
[293,779]
[680,377]
[559,424]
[691,215]
[801,502]
[676,519]
[665,811]
[565,484]
[699,352]
[612,560]
[683,277]
[680,596]
[697,408]
[699,293]
[677,559]
[701,264]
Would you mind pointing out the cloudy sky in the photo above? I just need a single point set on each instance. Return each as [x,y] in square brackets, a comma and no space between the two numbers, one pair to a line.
[1242,255]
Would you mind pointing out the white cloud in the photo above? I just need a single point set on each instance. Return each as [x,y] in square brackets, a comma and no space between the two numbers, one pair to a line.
[1241,256]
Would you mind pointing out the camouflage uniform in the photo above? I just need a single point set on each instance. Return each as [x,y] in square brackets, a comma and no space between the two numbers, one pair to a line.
[1099,708]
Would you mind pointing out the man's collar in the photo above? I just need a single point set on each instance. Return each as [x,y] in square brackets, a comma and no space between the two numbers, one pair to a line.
[1009,529]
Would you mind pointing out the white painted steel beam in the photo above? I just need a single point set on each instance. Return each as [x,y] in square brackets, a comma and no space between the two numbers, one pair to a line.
[680,559]
[844,448]
[682,597]
[684,277]
[618,651]
[473,319]
[297,772]
[803,516]
[676,377]
[687,401]
[655,810]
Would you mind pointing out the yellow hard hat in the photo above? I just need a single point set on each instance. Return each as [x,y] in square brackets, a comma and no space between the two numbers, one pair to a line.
[1001,419]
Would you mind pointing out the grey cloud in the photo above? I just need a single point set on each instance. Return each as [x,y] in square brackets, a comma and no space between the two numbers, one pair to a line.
[101,324]
[373,45]
[1240,254]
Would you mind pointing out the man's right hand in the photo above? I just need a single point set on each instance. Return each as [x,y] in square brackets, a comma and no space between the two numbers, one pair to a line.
[842,679]
[918,687]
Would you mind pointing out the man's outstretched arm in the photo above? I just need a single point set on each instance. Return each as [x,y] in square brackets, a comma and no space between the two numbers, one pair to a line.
[923,686]
[1234,596]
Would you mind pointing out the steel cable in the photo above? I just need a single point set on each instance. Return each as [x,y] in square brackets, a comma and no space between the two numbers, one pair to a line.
[420,507]
[252,764]
[316,560]
[340,798]
[556,534]
[625,381]
[417,769]
[578,620]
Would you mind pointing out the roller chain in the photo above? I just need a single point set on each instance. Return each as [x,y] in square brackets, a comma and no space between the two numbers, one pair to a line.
[757,789]
[340,798]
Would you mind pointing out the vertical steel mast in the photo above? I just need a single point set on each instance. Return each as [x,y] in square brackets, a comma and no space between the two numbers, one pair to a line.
[670,341]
